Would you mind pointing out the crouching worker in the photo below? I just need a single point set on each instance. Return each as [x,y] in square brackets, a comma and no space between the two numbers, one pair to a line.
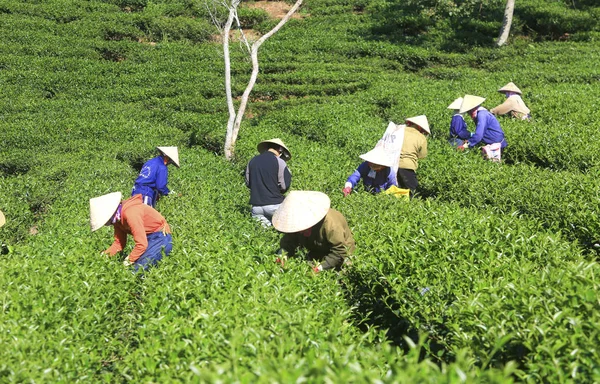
[487,131]
[308,222]
[151,232]
[151,183]
[513,105]
[375,172]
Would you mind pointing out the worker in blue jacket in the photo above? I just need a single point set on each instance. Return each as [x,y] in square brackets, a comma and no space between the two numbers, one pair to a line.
[151,183]
[488,130]
[458,126]
[375,172]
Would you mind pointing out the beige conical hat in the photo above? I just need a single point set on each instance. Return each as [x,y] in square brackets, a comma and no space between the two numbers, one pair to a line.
[102,208]
[421,121]
[301,210]
[2,219]
[470,102]
[379,156]
[456,103]
[264,145]
[510,87]
[171,153]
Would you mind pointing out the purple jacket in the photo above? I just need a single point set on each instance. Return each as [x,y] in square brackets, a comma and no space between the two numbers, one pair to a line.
[382,180]
[488,130]
[458,128]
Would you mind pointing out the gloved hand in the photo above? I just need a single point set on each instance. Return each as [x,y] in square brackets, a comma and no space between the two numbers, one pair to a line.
[126,262]
[463,146]
[346,191]
[280,260]
[317,268]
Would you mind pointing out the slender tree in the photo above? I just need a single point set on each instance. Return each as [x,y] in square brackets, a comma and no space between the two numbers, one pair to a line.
[506,23]
[235,117]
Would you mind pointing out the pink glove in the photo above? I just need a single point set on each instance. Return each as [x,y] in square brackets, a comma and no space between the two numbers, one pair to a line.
[280,260]
[346,191]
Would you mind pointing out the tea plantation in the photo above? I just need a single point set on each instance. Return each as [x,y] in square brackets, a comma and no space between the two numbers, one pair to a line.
[489,275]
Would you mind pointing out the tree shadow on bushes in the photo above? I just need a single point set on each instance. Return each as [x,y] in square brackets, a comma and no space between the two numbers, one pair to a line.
[375,305]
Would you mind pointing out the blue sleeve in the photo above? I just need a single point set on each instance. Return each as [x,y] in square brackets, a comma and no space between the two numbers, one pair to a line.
[458,127]
[358,174]
[161,180]
[479,130]
[391,179]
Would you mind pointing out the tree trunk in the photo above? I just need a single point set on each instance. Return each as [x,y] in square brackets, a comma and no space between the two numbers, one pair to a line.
[506,23]
[228,148]
[235,119]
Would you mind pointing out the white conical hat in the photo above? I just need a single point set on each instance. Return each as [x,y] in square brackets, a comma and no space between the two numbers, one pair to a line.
[510,87]
[171,153]
[470,102]
[456,103]
[264,145]
[421,121]
[102,208]
[301,210]
[2,219]
[379,156]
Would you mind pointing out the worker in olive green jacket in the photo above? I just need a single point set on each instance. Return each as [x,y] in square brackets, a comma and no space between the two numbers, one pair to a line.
[308,222]
[414,147]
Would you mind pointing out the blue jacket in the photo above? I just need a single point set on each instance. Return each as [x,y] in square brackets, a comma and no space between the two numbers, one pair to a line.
[458,128]
[382,180]
[487,129]
[152,178]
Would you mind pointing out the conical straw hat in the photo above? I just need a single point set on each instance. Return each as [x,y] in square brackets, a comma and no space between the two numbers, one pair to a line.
[2,219]
[264,145]
[470,102]
[379,156]
[456,103]
[421,121]
[102,208]
[510,87]
[301,210]
[171,153]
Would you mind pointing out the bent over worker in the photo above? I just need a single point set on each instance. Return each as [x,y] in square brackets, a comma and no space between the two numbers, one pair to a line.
[307,221]
[414,148]
[152,181]
[487,130]
[268,178]
[375,172]
[151,232]
[458,126]
[513,105]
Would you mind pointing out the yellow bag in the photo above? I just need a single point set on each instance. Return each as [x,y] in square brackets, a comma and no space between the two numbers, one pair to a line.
[398,192]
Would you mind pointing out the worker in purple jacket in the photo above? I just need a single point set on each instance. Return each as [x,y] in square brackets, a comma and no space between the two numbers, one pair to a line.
[458,126]
[151,183]
[375,172]
[488,130]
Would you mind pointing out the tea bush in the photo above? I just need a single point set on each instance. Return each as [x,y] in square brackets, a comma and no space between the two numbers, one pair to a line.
[488,276]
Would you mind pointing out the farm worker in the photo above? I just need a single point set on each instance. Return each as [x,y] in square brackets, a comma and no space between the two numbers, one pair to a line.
[307,221]
[375,172]
[151,183]
[513,104]
[414,147]
[4,249]
[151,232]
[487,131]
[458,126]
[268,178]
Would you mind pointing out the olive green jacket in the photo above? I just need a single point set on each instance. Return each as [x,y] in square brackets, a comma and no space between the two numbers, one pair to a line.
[414,148]
[330,240]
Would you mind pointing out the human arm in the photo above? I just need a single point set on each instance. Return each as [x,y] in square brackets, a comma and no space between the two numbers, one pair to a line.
[284,176]
[479,130]
[458,128]
[422,150]
[334,234]
[161,180]
[119,243]
[247,176]
[136,223]
[288,244]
